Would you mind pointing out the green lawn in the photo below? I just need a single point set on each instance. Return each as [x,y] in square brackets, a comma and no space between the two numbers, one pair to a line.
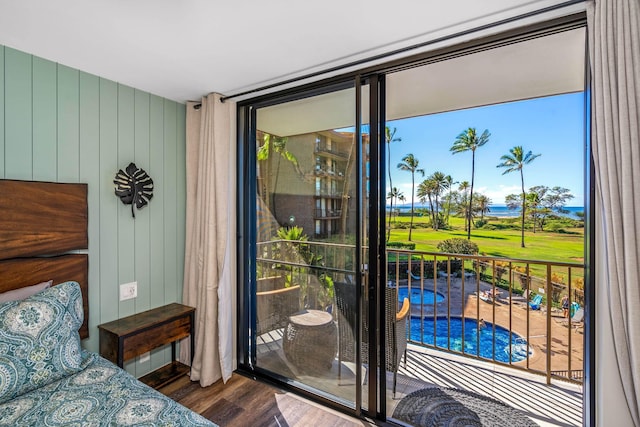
[544,246]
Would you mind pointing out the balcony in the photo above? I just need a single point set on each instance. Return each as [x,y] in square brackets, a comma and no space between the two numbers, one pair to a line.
[331,152]
[330,194]
[329,174]
[328,213]
[537,369]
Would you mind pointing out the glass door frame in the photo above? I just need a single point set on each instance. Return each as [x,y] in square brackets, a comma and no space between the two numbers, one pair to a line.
[371,266]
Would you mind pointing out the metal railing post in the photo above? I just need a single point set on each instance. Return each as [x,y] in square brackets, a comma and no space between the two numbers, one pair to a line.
[549,292]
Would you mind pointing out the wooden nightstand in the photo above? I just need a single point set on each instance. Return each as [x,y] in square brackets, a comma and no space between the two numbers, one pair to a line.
[131,336]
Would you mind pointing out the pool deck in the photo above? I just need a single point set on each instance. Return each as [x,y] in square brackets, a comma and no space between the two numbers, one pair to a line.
[511,313]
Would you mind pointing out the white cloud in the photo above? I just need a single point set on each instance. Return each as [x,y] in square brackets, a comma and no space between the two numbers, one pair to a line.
[498,194]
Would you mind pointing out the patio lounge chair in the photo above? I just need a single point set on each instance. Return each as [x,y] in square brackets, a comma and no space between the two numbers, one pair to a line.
[576,318]
[413,276]
[274,306]
[395,329]
[536,302]
[489,296]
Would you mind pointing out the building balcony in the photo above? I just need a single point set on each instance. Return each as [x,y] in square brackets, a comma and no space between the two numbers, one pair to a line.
[327,214]
[332,152]
[329,174]
[331,194]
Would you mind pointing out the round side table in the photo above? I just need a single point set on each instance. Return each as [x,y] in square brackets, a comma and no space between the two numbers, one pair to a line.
[310,341]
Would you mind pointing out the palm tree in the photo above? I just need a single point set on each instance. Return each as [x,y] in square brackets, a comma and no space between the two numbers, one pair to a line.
[389,136]
[464,201]
[410,164]
[440,183]
[469,140]
[450,183]
[515,161]
[426,190]
[482,205]
[533,202]
[278,145]
[391,195]
[399,199]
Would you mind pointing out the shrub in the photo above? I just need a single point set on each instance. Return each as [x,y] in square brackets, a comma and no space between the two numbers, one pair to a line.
[555,227]
[458,246]
[578,283]
[501,267]
[500,226]
[402,245]
[525,279]
[481,223]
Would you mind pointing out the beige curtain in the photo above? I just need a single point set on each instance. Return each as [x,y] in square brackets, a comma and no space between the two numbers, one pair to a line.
[209,276]
[614,42]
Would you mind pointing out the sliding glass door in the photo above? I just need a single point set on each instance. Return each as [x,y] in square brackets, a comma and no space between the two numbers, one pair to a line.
[310,178]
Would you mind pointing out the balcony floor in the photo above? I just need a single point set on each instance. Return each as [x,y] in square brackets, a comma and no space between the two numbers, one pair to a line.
[558,404]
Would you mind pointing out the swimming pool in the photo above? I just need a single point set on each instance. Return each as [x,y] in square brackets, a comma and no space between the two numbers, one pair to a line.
[418,297]
[485,350]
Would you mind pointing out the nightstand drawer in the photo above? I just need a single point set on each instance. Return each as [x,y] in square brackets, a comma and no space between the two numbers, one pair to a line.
[155,337]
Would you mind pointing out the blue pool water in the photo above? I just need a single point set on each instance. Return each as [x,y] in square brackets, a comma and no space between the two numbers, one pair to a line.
[419,297]
[485,350]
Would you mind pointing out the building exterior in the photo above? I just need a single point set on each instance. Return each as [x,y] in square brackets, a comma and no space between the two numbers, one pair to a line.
[304,183]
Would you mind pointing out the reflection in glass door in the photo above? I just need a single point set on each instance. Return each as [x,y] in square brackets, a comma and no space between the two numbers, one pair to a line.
[307,234]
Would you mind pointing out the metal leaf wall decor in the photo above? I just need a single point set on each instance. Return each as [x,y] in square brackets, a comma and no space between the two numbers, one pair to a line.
[134,187]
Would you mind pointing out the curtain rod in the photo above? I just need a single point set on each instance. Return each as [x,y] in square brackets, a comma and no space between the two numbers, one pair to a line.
[402,50]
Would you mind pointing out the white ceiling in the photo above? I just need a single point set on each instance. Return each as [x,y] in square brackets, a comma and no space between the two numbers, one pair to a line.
[183,49]
[543,66]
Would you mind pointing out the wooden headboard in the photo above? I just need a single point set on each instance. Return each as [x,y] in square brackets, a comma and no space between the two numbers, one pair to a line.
[40,222]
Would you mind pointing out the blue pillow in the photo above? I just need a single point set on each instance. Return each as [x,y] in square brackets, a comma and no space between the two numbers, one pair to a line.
[39,340]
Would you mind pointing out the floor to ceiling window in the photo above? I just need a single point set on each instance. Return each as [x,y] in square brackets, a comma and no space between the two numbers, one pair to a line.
[438,228]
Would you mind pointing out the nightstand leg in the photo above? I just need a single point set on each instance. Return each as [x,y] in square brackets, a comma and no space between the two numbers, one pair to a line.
[192,339]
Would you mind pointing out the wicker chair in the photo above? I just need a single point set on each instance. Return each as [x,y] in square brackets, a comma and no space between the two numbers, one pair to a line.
[395,329]
[274,306]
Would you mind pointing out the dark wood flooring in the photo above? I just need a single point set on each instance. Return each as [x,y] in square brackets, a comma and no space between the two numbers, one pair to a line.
[245,402]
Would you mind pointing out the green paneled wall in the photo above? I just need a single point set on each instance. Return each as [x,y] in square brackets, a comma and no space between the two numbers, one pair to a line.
[64,125]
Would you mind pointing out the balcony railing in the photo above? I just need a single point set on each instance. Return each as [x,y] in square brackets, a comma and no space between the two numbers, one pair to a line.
[505,311]
[338,153]
[329,173]
[328,213]
[328,193]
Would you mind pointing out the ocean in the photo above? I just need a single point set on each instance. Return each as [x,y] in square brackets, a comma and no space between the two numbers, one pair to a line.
[501,211]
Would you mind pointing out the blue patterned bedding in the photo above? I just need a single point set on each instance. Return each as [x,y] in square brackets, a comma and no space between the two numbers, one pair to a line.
[101,394]
[47,380]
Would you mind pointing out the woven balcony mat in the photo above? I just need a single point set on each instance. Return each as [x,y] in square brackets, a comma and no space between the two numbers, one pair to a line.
[448,407]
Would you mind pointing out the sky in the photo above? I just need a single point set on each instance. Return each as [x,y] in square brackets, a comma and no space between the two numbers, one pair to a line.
[552,127]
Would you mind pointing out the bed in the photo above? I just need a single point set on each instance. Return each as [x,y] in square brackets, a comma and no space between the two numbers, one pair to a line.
[46,378]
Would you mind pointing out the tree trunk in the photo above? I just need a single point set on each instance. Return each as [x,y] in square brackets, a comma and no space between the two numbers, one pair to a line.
[473,167]
[413,184]
[345,189]
[390,216]
[435,215]
[523,204]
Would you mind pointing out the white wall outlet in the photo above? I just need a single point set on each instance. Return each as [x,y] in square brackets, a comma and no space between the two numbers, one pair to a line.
[128,291]
[144,357]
